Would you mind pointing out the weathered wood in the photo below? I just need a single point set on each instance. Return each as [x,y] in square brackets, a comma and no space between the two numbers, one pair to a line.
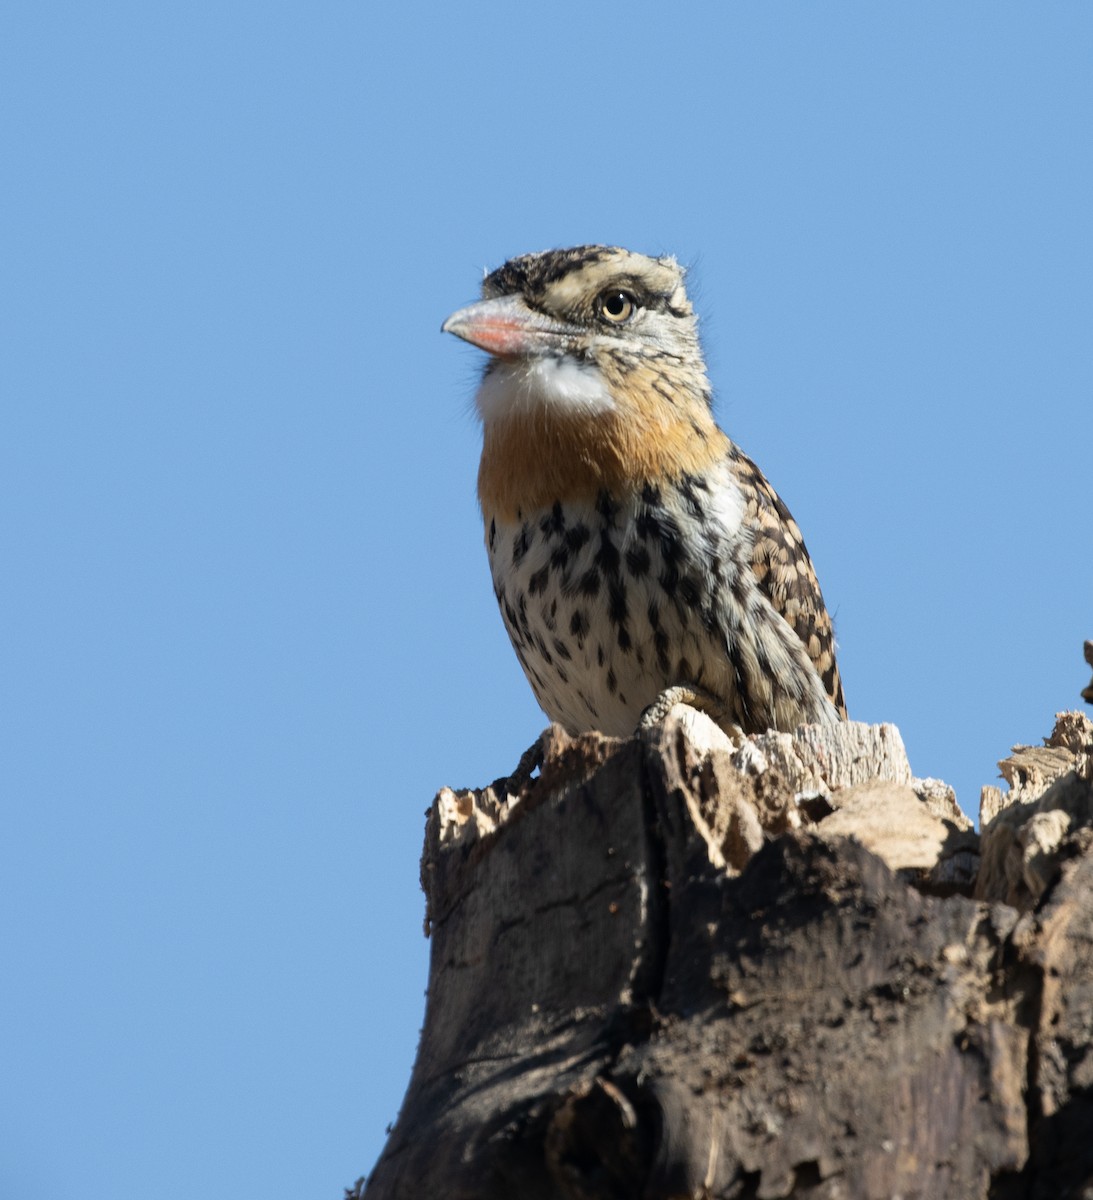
[1045,817]
[675,967]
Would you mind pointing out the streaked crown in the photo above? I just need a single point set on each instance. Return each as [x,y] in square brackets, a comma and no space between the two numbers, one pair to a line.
[615,297]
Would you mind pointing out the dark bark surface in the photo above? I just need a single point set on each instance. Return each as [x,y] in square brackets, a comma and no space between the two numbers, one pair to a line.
[654,976]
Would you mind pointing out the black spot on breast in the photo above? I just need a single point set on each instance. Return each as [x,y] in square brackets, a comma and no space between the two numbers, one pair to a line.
[561,649]
[637,560]
[493,534]
[624,639]
[698,482]
[612,682]
[656,525]
[535,677]
[544,653]
[689,488]
[650,494]
[689,591]
[559,560]
[538,581]
[578,626]
[606,507]
[671,542]
[616,601]
[589,584]
[522,607]
[521,543]
[607,556]
[576,536]
[660,644]
[600,656]
[740,684]
[554,523]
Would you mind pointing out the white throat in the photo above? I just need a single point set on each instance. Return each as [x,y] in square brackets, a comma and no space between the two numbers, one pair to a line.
[535,384]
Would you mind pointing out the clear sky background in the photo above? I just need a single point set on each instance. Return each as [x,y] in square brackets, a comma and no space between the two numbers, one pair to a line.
[246,623]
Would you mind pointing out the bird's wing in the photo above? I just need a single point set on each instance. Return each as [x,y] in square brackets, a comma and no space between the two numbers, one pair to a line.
[785,573]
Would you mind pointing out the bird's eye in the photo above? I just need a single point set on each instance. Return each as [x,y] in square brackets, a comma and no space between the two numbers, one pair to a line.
[616,307]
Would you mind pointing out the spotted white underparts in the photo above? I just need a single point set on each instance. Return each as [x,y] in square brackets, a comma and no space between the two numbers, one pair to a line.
[607,604]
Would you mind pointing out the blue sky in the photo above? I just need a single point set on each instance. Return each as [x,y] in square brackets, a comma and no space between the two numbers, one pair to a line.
[246,625]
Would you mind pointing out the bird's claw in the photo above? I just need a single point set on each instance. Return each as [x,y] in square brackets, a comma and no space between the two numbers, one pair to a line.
[530,761]
[695,697]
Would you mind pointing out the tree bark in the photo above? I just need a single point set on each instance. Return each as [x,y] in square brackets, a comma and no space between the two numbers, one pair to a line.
[674,967]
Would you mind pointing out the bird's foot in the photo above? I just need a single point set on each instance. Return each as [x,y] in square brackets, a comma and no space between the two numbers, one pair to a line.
[694,697]
[530,761]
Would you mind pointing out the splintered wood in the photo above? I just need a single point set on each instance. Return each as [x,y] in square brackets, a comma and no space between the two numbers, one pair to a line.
[680,966]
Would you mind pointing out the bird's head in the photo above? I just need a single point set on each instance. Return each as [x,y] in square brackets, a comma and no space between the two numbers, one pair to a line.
[589,330]
[595,379]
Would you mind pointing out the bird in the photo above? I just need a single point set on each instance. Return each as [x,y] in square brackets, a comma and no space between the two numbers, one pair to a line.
[639,558]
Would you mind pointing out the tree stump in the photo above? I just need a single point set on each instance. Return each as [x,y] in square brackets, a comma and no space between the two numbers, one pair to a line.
[676,967]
